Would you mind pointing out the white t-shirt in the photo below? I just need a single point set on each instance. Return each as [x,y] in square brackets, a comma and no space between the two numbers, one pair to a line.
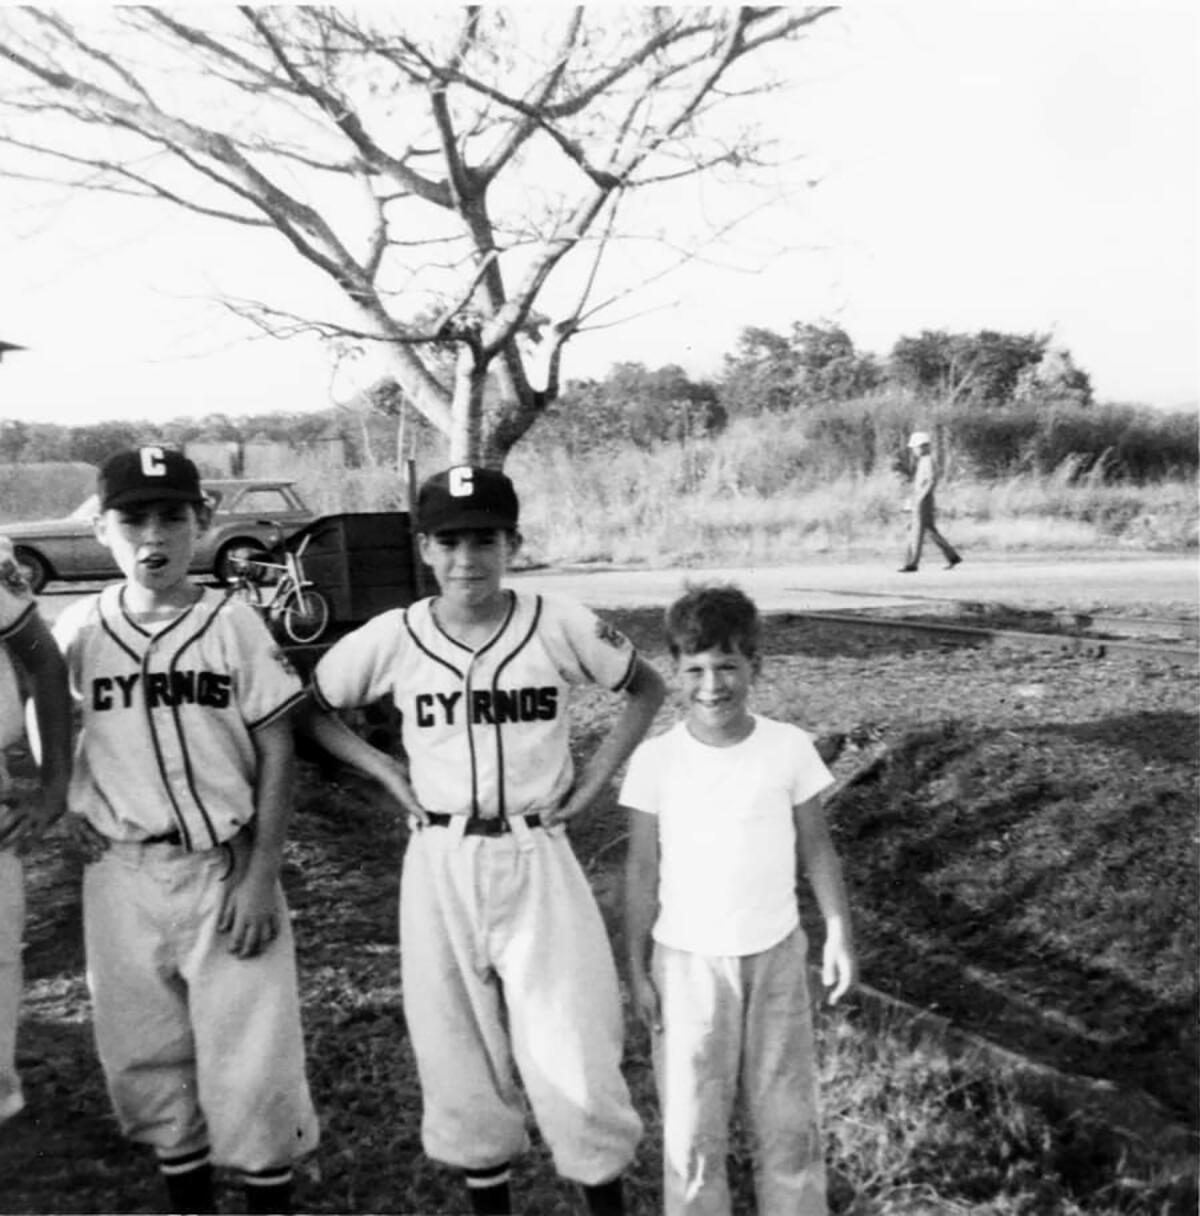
[727,871]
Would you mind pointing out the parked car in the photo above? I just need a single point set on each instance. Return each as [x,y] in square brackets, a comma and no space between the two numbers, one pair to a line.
[249,517]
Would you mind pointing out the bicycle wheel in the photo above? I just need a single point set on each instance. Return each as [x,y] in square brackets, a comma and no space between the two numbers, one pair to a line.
[305,615]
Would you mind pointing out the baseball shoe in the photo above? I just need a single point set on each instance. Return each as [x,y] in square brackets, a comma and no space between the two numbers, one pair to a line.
[954,561]
[907,570]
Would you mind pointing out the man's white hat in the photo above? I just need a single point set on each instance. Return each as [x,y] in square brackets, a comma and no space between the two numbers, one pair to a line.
[919,438]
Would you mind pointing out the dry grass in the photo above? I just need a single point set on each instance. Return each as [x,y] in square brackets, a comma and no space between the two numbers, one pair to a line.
[694,504]
[756,495]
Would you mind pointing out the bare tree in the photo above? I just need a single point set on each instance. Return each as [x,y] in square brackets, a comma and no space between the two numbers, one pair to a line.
[441,164]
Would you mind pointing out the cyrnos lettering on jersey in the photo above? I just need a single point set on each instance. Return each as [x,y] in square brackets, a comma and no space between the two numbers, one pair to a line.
[208,688]
[427,703]
[488,707]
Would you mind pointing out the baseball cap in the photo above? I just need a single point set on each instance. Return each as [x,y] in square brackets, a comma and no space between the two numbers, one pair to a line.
[148,474]
[466,496]
[918,438]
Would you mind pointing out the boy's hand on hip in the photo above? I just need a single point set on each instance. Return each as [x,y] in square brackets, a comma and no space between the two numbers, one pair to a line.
[84,840]
[47,809]
[397,786]
[579,798]
[13,820]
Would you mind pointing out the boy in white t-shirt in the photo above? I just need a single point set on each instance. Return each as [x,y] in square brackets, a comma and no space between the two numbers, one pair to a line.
[718,805]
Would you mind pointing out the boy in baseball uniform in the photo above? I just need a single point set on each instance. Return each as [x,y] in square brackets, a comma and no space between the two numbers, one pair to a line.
[180,799]
[506,967]
[25,638]
[717,957]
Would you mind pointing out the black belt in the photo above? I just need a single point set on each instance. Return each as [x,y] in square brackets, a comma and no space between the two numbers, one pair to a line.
[476,826]
[175,838]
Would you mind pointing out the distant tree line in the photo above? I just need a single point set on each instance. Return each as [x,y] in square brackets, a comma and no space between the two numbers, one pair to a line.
[368,436]
[998,404]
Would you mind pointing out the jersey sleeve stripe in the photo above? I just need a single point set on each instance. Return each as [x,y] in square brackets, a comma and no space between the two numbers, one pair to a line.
[627,678]
[321,701]
[22,617]
[280,711]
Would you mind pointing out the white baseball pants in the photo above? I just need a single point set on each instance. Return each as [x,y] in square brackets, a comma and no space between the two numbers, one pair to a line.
[199,1047]
[730,1025]
[507,970]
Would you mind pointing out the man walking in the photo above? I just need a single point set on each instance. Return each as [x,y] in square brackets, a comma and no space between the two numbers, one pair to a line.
[923,522]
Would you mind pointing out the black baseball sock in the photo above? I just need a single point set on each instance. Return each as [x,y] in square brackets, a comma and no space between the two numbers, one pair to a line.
[189,1182]
[268,1191]
[605,1198]
[488,1190]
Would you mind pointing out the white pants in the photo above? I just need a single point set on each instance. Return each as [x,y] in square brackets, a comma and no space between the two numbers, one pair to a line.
[730,1025]
[12,929]
[507,969]
[199,1047]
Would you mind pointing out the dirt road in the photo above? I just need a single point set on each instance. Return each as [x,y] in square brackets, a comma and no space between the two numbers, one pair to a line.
[1165,585]
[1169,585]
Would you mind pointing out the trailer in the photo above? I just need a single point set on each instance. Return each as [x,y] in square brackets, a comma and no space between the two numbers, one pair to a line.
[362,563]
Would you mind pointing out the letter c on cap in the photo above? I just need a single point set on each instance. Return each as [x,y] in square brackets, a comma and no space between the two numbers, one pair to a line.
[154,462]
[462,481]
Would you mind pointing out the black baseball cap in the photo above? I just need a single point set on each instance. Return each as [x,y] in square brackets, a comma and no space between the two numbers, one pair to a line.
[466,496]
[148,474]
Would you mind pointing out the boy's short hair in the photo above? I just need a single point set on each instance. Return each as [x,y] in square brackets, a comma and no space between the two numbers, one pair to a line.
[148,474]
[721,617]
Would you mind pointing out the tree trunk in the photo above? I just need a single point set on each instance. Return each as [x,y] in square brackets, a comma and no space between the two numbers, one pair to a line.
[466,410]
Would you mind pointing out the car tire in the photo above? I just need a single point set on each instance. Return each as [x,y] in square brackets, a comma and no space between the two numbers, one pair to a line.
[33,566]
[230,554]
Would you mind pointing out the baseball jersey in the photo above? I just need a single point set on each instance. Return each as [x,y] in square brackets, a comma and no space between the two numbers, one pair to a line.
[727,869]
[169,715]
[485,731]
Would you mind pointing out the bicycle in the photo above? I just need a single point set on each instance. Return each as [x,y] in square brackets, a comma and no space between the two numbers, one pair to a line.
[282,593]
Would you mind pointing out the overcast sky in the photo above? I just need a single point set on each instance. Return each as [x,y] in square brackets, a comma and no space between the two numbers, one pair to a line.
[1020,166]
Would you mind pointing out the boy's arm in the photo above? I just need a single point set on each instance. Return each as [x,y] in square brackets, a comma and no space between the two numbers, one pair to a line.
[641,909]
[250,913]
[34,648]
[824,872]
[328,730]
[643,696]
